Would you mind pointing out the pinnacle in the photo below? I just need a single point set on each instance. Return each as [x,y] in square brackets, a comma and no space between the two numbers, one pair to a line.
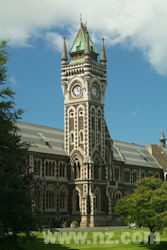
[103,53]
[64,51]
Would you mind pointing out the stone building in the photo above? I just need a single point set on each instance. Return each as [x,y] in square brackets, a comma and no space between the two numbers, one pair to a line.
[81,170]
[159,152]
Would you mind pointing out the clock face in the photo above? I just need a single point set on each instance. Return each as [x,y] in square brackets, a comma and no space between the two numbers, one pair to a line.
[76,91]
[95,91]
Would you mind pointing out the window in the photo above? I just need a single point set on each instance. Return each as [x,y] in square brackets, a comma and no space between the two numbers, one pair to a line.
[96,170]
[99,138]
[50,199]
[53,168]
[77,202]
[57,171]
[50,168]
[38,197]
[72,137]
[134,176]
[143,175]
[37,165]
[81,137]
[62,200]
[127,176]
[93,139]
[97,200]
[46,168]
[93,122]
[62,169]
[76,168]
[116,174]
[157,175]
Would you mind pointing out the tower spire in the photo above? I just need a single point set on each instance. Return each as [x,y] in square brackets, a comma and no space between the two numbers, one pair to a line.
[162,140]
[103,54]
[64,52]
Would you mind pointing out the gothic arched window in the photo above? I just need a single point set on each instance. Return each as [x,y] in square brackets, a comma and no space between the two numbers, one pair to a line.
[97,200]
[63,197]
[60,168]
[96,170]
[51,196]
[53,168]
[46,168]
[50,168]
[76,168]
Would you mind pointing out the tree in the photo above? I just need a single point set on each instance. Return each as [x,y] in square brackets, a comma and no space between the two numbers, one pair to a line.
[146,206]
[15,201]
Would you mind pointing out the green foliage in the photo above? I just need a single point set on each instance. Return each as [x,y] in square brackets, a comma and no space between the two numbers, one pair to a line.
[146,206]
[15,200]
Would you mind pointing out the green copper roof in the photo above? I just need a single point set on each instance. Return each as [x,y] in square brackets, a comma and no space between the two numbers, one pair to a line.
[80,41]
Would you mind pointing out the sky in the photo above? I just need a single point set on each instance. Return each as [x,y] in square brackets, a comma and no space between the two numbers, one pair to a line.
[136,47]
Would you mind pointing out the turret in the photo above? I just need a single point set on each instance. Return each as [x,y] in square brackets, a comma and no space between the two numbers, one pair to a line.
[103,54]
[162,140]
[64,53]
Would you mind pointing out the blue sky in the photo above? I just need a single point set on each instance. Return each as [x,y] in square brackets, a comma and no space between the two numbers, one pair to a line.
[136,49]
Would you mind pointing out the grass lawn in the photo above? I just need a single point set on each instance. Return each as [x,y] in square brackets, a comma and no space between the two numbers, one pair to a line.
[99,238]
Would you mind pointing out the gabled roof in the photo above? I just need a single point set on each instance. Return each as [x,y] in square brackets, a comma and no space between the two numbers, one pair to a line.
[80,41]
[133,154]
[43,139]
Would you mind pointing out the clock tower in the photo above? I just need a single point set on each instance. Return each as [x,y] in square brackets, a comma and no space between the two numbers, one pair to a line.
[83,81]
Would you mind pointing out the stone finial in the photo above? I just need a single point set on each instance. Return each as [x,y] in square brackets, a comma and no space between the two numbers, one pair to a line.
[103,53]
[64,52]
[162,140]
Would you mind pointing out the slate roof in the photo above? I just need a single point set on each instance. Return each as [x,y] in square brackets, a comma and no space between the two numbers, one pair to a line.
[51,140]
[133,154]
[44,139]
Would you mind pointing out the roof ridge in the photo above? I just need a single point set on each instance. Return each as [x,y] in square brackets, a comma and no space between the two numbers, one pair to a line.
[38,125]
[131,143]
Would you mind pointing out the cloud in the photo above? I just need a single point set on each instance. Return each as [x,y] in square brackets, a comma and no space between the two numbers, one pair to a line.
[137,23]
[12,81]
[135,114]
